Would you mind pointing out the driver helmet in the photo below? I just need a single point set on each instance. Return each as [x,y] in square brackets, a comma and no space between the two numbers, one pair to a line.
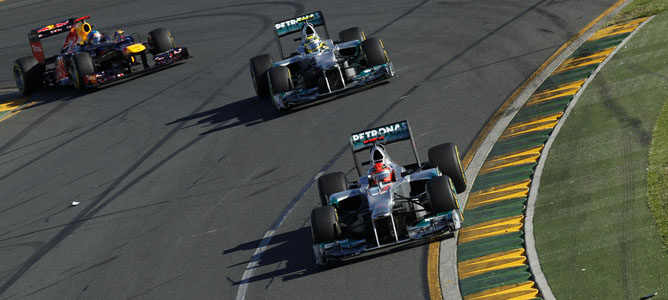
[381,173]
[95,37]
[311,42]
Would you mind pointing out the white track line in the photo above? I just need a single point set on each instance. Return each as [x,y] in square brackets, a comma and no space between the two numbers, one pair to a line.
[266,239]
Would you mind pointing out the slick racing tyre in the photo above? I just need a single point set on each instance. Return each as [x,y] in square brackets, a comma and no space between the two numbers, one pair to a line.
[280,80]
[160,40]
[330,184]
[374,51]
[352,34]
[446,158]
[28,74]
[81,65]
[324,224]
[441,194]
[259,66]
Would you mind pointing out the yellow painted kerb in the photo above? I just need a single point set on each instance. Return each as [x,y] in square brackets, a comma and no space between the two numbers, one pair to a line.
[491,228]
[10,107]
[516,291]
[498,193]
[491,262]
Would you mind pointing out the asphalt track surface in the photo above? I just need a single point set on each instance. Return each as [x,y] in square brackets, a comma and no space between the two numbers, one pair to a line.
[181,173]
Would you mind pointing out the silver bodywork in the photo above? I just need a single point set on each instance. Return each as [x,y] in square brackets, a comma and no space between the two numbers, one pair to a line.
[381,201]
[329,65]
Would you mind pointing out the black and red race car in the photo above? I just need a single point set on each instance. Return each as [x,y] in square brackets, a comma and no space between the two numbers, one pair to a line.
[91,59]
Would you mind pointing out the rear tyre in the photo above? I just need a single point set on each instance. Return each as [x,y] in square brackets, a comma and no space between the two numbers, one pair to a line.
[324,224]
[161,40]
[374,51]
[28,74]
[446,158]
[259,66]
[441,194]
[330,184]
[80,67]
[352,34]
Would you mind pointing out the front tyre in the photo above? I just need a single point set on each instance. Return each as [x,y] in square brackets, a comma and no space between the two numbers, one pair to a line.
[446,158]
[81,66]
[441,196]
[324,224]
[330,184]
[280,82]
[161,40]
[259,66]
[374,51]
[352,34]
[28,74]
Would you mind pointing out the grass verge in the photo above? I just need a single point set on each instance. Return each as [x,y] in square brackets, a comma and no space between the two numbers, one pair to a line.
[657,175]
[639,9]
[594,231]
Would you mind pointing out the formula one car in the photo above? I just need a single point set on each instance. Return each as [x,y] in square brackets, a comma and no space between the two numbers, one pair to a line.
[319,67]
[390,204]
[89,58]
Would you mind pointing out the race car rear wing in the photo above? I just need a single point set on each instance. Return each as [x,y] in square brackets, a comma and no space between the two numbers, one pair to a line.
[294,25]
[46,31]
[382,135]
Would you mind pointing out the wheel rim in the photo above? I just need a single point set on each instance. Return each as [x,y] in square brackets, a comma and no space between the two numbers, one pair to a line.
[18,78]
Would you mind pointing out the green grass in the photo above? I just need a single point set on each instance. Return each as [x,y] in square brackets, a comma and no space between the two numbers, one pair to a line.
[639,9]
[595,234]
[657,177]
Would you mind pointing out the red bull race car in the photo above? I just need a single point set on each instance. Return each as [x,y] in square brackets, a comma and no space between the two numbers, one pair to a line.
[320,66]
[390,204]
[89,58]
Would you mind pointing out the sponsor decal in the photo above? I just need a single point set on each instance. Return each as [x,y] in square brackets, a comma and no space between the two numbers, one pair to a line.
[294,21]
[53,29]
[384,135]
[61,73]
[378,133]
[37,49]
[45,28]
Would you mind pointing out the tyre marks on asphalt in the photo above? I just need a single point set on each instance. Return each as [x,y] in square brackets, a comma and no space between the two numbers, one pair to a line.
[492,260]
[107,196]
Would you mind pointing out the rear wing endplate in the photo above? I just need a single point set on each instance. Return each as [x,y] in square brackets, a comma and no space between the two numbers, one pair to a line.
[382,135]
[294,25]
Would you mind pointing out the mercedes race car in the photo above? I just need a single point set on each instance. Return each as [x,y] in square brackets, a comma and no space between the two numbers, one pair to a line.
[390,204]
[320,66]
[89,58]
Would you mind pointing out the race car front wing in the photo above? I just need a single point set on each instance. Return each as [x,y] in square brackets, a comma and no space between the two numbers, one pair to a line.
[429,227]
[365,77]
[160,61]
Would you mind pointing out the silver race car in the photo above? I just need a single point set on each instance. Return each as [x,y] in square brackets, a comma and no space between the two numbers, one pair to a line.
[390,204]
[320,66]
